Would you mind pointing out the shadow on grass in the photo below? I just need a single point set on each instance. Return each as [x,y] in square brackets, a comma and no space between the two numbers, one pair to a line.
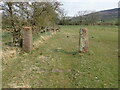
[9,44]
[65,52]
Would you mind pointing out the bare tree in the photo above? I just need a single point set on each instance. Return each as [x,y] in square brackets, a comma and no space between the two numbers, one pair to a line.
[80,15]
[86,17]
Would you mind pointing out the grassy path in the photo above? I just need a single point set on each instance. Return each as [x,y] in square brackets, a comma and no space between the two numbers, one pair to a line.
[56,63]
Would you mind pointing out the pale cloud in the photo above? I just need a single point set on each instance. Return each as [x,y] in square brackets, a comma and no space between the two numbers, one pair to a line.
[86,1]
[73,6]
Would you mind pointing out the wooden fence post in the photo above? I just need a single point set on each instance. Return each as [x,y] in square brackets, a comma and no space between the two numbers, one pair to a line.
[27,39]
[83,40]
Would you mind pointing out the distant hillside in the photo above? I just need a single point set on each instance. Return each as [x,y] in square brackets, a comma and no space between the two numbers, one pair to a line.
[109,15]
[105,15]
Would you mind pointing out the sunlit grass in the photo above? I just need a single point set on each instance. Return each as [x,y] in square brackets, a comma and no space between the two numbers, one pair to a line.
[57,63]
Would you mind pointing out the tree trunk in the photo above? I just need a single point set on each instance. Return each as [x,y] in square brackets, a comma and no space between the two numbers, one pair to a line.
[16,32]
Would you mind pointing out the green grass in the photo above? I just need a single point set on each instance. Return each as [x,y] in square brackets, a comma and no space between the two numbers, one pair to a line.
[57,63]
[6,37]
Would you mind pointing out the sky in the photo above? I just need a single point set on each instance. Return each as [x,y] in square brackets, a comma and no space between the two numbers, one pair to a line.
[71,7]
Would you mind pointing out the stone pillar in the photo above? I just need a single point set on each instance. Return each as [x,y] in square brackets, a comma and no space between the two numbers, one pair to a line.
[27,39]
[83,40]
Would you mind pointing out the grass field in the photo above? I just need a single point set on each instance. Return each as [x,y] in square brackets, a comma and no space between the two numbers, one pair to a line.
[56,62]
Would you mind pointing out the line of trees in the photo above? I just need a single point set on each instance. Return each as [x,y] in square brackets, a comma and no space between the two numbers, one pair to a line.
[85,18]
[81,18]
[38,15]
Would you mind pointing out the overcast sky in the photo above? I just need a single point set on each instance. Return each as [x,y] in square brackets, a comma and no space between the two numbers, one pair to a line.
[73,6]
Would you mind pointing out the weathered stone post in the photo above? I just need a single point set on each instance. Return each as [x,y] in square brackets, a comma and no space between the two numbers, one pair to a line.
[83,40]
[27,39]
